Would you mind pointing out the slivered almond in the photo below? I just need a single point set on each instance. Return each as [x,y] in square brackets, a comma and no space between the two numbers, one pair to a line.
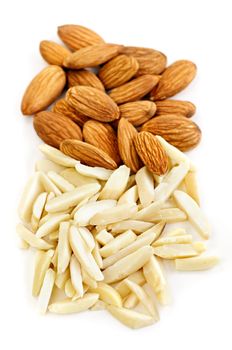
[76,278]
[116,184]
[174,251]
[60,182]
[46,165]
[75,178]
[130,196]
[85,213]
[56,156]
[134,225]
[69,307]
[93,172]
[118,213]
[46,290]
[31,239]
[64,249]
[42,263]
[196,263]
[107,294]
[118,243]
[145,185]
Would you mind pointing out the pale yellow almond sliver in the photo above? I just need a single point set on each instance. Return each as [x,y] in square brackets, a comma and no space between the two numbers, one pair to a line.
[116,184]
[46,165]
[145,184]
[38,205]
[174,251]
[49,185]
[57,156]
[51,225]
[62,278]
[118,243]
[64,249]
[173,240]
[130,196]
[87,279]
[72,176]
[46,290]
[60,182]
[69,289]
[95,172]
[85,213]
[130,301]
[118,213]
[154,275]
[136,226]
[79,305]
[169,215]
[196,264]
[42,263]
[31,239]
[107,294]
[122,287]
[104,237]
[87,238]
[97,256]
[147,213]
[76,277]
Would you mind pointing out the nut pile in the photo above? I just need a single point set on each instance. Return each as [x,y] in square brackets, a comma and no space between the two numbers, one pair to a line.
[100,208]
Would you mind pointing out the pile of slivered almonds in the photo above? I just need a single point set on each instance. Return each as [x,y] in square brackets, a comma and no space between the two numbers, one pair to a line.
[114,196]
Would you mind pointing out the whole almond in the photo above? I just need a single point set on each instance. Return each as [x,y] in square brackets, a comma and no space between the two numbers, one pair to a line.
[126,135]
[62,107]
[43,90]
[102,136]
[174,79]
[180,131]
[53,53]
[84,77]
[53,128]
[118,71]
[76,37]
[151,153]
[184,108]
[150,61]
[92,56]
[135,89]
[93,103]
[87,154]
[137,112]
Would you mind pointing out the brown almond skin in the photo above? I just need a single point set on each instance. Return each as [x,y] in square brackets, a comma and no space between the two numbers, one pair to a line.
[126,134]
[84,77]
[103,136]
[134,89]
[174,79]
[54,128]
[76,37]
[151,152]
[62,107]
[179,131]
[118,71]
[93,103]
[137,112]
[43,90]
[150,61]
[92,56]
[53,53]
[87,154]
[185,108]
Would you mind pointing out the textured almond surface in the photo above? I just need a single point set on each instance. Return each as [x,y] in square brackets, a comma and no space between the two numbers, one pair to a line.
[62,107]
[76,37]
[150,61]
[118,71]
[87,154]
[92,56]
[43,90]
[184,108]
[135,89]
[102,136]
[53,128]
[52,52]
[126,135]
[151,153]
[137,112]
[84,77]
[93,103]
[181,132]
[174,79]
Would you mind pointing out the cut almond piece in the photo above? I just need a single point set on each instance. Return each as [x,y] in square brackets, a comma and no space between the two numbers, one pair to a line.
[120,242]
[85,213]
[46,165]
[130,196]
[116,184]
[31,239]
[88,280]
[76,278]
[42,263]
[54,259]
[83,255]
[38,206]
[51,225]
[122,287]
[194,213]
[196,264]
[69,289]
[57,156]
[100,305]
[134,225]
[64,249]
[145,184]
[148,212]
[127,265]
[97,256]
[118,213]
[174,251]
[46,290]
[130,318]
[60,182]
[169,215]
[191,186]
[173,240]
[70,199]
[130,301]
[104,237]
[62,278]
[72,176]
[177,232]
[95,172]
[49,185]
[87,237]
[107,294]
[79,305]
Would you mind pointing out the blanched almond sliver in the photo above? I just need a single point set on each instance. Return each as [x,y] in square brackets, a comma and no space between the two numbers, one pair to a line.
[130,196]
[130,301]
[134,225]
[127,265]
[122,287]
[54,259]
[169,215]
[31,239]
[57,156]
[154,275]
[176,232]
[83,255]
[199,246]
[116,184]
[120,242]
[42,263]
[85,213]
[31,191]
[60,182]
[196,264]
[147,213]
[47,217]
[69,289]
[145,184]
[190,182]
[174,251]
[95,172]
[88,280]
[38,205]
[46,290]
[64,249]
[87,238]
[62,278]
[130,318]
[70,199]
[79,305]
[97,256]
[48,185]
[76,278]
[100,305]
[34,223]
[104,237]
[118,213]
[144,298]
[72,176]
[51,225]
[46,165]
[107,294]
[173,240]
[195,215]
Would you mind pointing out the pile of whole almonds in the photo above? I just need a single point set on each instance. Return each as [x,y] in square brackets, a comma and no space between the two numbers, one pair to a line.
[115,195]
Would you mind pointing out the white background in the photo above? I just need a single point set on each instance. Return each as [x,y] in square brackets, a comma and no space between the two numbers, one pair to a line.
[200,314]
